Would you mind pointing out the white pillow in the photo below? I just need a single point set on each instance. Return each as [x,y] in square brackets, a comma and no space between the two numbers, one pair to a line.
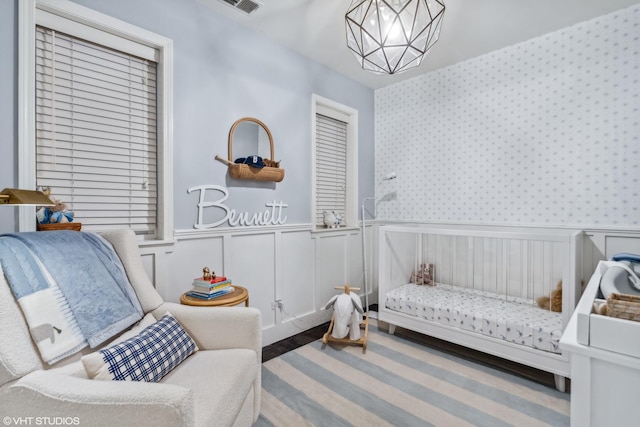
[148,356]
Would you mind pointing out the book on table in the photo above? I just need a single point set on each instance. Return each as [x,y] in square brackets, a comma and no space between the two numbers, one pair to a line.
[213,281]
[210,295]
[203,287]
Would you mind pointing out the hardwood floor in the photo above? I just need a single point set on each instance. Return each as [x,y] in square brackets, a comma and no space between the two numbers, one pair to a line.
[291,343]
[542,377]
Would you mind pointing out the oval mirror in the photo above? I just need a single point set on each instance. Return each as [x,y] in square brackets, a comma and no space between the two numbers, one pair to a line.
[250,137]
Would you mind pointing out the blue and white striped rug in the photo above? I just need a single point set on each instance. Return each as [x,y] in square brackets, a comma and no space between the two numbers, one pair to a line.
[398,382]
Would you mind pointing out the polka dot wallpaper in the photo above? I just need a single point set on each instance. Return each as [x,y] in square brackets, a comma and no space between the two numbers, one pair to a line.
[545,132]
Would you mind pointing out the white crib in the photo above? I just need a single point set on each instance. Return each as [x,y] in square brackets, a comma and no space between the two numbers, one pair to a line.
[486,280]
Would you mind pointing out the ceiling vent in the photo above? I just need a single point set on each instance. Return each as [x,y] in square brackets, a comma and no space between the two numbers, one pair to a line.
[247,6]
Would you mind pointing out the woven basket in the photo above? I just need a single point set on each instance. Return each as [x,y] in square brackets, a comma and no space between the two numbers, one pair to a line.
[242,171]
[624,306]
[76,226]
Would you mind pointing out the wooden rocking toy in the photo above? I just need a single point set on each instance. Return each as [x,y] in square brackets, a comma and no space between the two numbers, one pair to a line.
[342,330]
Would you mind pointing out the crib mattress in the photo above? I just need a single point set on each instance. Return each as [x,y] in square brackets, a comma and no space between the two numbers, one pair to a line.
[512,319]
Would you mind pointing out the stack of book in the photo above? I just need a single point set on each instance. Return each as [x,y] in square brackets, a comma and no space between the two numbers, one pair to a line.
[208,289]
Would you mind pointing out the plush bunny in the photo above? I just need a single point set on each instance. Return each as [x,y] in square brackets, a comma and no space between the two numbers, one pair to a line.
[347,313]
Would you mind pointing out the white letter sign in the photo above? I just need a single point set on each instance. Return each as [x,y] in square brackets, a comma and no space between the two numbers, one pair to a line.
[271,216]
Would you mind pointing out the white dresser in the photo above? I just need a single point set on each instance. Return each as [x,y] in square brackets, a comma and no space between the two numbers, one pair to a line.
[605,365]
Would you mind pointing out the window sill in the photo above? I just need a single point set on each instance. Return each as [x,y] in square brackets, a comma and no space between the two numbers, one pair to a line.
[347,229]
[152,243]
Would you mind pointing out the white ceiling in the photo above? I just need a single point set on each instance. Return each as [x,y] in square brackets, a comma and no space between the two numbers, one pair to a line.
[315,28]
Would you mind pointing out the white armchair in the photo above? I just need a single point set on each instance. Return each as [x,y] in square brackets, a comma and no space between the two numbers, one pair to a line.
[218,385]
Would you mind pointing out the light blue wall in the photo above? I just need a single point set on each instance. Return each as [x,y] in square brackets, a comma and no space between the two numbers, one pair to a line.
[222,72]
[8,107]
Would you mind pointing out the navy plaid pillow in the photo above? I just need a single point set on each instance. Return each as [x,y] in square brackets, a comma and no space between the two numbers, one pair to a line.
[151,354]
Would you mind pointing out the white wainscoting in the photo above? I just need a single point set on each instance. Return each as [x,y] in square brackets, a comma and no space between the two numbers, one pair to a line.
[300,267]
[293,264]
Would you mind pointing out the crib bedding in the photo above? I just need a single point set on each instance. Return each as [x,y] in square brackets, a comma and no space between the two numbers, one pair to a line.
[512,319]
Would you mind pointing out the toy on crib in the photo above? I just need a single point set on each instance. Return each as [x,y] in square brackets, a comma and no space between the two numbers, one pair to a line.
[423,275]
[347,313]
[332,219]
[55,214]
[553,302]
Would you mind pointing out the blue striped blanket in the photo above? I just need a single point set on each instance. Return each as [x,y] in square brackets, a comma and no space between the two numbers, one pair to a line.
[71,287]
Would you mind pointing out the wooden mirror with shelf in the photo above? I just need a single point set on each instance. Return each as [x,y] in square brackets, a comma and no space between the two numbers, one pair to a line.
[249,134]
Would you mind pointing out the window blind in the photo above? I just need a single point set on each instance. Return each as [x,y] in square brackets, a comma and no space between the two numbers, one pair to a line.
[96,143]
[331,166]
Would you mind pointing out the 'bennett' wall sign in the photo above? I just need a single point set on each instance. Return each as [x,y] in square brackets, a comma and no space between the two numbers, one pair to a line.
[271,216]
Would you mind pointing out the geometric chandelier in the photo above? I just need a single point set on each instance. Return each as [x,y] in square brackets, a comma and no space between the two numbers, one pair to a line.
[391,36]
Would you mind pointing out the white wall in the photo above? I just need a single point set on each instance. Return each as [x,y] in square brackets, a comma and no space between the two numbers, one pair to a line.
[545,132]
[288,263]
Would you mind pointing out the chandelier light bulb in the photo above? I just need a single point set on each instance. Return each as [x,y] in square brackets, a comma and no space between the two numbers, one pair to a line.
[395,35]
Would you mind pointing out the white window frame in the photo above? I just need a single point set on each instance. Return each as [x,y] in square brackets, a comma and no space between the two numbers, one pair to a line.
[31,12]
[348,115]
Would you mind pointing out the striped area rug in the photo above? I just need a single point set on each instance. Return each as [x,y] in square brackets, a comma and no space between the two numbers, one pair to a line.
[398,382]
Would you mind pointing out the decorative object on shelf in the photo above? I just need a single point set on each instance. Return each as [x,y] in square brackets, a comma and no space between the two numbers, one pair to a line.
[346,319]
[15,196]
[56,217]
[332,219]
[253,167]
[392,36]
[207,275]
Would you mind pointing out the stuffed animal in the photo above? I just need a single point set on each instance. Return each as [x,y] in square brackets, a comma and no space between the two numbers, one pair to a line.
[332,219]
[553,302]
[347,313]
[600,308]
[338,219]
[271,163]
[55,214]
[423,275]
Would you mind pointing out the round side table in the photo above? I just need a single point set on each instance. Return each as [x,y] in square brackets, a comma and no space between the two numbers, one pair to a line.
[239,295]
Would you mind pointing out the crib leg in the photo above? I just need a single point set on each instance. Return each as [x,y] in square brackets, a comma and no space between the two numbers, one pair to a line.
[560,382]
[392,329]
